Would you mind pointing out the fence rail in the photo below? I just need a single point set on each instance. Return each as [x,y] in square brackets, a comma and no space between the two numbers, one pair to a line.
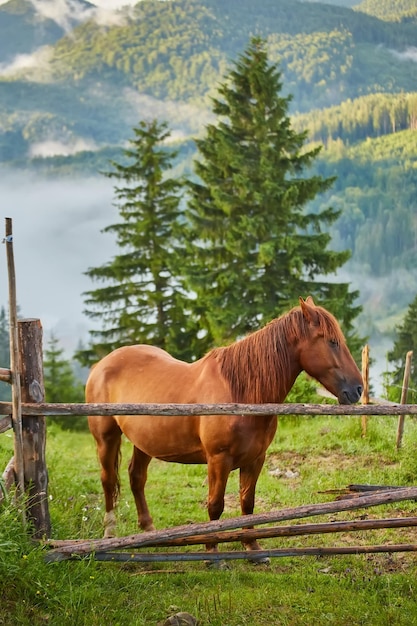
[70,409]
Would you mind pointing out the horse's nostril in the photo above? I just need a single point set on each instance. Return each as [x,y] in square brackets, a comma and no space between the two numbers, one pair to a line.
[360,390]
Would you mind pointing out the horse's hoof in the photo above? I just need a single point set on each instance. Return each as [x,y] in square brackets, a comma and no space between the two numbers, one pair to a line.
[260,560]
[221,564]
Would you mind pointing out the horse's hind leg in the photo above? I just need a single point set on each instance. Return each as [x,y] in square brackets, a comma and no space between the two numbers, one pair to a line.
[108,438]
[248,478]
[138,473]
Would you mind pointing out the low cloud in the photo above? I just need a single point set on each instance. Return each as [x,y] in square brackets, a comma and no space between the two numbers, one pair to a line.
[410,54]
[59,148]
[34,66]
[67,13]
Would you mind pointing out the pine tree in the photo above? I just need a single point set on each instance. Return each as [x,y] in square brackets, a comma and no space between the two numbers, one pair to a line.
[406,340]
[142,300]
[254,247]
[61,384]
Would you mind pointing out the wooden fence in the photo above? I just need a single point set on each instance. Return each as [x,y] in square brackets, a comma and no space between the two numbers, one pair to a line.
[27,412]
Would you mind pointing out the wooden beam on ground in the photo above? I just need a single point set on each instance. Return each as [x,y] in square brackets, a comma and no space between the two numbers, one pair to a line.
[309,510]
[269,532]
[157,557]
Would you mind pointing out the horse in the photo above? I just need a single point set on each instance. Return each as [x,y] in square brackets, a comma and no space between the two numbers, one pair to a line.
[259,368]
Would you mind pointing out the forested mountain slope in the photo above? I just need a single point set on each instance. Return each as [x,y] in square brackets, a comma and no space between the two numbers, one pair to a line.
[351,71]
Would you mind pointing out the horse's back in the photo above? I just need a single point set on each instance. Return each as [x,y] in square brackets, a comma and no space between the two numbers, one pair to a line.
[138,373]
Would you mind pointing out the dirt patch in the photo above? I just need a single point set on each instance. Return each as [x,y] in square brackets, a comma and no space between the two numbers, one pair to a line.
[329,460]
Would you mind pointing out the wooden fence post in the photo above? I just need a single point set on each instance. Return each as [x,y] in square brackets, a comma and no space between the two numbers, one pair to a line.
[365,393]
[34,427]
[14,365]
[404,392]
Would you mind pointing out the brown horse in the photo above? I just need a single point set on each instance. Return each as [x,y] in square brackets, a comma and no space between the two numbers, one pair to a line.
[260,368]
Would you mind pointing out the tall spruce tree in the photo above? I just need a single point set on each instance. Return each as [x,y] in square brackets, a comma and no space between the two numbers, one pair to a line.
[141,300]
[254,246]
[406,340]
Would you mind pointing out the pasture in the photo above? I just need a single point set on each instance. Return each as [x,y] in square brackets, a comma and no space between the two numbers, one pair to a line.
[308,456]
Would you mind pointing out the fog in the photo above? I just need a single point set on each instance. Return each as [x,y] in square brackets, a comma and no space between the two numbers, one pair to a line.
[56,238]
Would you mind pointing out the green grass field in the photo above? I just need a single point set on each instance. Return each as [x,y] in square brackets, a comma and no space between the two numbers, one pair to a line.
[312,454]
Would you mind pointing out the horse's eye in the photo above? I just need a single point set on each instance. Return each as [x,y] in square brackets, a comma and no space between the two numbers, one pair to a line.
[334,343]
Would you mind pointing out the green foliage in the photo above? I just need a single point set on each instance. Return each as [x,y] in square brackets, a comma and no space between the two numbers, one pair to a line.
[61,384]
[5,389]
[406,340]
[252,241]
[142,300]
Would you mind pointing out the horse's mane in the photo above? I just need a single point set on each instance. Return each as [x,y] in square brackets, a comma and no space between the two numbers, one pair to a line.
[258,366]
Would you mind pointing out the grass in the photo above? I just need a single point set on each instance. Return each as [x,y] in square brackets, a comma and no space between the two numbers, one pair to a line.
[322,453]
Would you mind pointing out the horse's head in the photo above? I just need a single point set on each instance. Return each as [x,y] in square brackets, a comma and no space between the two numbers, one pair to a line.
[325,356]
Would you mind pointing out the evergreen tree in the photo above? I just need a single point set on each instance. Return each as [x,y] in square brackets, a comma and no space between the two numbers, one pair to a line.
[5,388]
[254,247]
[406,340]
[142,300]
[61,384]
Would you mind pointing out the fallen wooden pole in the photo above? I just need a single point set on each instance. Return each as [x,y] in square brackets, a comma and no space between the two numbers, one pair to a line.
[228,556]
[137,540]
[68,409]
[250,534]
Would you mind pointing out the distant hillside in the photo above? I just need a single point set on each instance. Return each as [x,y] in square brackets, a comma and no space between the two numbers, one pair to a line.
[24,28]
[404,11]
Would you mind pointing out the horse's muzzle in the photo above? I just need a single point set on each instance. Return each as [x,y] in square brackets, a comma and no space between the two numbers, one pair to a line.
[350,395]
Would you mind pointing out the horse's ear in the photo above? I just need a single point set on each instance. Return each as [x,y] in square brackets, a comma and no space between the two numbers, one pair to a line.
[308,310]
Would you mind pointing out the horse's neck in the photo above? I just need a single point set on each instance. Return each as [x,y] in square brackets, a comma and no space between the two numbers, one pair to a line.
[258,371]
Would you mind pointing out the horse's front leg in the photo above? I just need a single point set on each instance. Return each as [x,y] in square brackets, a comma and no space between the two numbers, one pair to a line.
[219,468]
[249,475]
[138,473]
